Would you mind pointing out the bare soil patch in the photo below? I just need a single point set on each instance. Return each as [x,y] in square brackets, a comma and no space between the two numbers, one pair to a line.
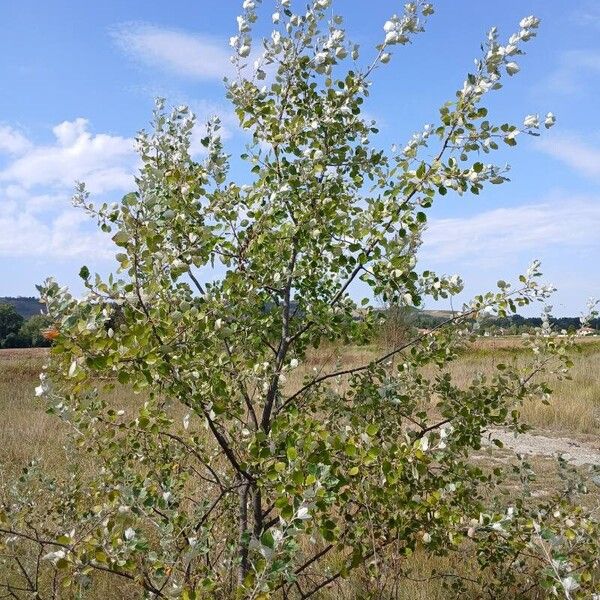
[574,451]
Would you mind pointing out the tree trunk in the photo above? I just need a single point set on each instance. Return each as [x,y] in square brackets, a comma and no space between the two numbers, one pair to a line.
[243,532]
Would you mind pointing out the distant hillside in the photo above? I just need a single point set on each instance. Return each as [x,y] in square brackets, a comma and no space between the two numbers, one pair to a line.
[444,314]
[25,306]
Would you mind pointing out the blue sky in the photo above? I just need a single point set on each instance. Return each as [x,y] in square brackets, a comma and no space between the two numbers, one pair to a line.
[79,78]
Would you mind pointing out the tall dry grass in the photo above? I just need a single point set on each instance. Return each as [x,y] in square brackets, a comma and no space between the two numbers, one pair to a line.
[26,431]
[574,406]
[573,409]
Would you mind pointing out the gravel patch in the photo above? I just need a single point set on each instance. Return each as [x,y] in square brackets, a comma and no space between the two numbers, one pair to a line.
[575,452]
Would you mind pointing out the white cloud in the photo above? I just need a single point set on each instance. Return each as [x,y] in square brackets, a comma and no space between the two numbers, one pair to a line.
[186,54]
[37,181]
[524,232]
[12,141]
[105,162]
[573,151]
[69,234]
[13,196]
[573,68]
[36,218]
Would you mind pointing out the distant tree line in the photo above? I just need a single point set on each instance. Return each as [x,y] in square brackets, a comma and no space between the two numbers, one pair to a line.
[21,327]
[401,322]
[521,324]
[516,323]
[19,332]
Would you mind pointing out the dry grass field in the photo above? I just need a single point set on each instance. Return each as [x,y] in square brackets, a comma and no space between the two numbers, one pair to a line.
[27,432]
[574,409]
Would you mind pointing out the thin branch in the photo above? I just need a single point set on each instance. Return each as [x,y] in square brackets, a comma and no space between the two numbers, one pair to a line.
[198,285]
[147,585]
[25,574]
[284,343]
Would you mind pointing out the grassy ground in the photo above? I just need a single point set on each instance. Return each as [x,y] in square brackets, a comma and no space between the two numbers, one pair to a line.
[27,432]
[574,408]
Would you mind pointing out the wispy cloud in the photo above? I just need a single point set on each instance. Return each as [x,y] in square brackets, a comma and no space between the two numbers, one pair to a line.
[573,68]
[493,237]
[587,15]
[12,141]
[575,152]
[189,55]
[68,234]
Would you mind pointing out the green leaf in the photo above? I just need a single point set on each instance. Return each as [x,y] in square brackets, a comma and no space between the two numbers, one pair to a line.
[267,539]
[121,238]
[372,429]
